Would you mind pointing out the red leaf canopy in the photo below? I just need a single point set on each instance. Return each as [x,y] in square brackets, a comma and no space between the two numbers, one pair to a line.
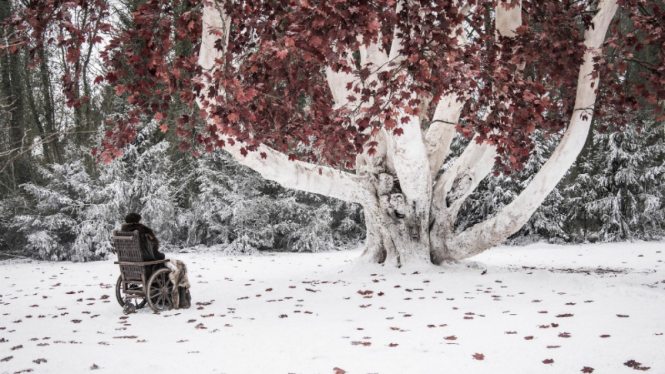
[270,87]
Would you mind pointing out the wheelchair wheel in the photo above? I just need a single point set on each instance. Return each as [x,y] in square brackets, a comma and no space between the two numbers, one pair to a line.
[136,303]
[159,291]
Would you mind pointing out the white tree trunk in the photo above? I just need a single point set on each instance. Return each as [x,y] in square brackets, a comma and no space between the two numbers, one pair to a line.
[493,231]
[410,216]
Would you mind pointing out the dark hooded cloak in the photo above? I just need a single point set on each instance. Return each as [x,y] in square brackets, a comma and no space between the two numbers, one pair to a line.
[147,241]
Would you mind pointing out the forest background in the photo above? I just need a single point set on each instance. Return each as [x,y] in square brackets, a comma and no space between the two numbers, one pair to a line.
[58,203]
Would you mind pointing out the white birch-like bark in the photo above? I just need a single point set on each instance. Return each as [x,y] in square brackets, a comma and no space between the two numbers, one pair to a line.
[441,131]
[276,166]
[412,169]
[495,230]
[214,20]
[301,175]
[475,163]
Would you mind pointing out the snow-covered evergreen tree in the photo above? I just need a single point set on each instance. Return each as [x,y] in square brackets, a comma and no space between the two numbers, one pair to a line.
[235,207]
[580,224]
[105,207]
[629,182]
[53,222]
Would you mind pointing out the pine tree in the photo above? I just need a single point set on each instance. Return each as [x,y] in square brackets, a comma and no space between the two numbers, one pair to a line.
[53,225]
[629,182]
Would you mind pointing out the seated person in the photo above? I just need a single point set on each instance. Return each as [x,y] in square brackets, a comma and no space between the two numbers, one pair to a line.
[147,239]
[150,252]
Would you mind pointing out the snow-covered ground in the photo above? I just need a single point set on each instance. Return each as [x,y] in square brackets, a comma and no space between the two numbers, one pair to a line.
[534,309]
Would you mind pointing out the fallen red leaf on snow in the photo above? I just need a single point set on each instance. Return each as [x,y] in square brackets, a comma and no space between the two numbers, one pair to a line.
[636,365]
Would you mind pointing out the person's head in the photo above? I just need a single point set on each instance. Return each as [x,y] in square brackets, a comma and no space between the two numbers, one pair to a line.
[133,218]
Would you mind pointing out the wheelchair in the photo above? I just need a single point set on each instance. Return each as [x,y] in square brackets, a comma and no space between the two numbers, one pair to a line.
[140,282]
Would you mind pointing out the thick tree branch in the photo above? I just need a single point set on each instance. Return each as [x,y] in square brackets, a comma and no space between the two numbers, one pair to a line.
[466,173]
[215,20]
[442,131]
[338,81]
[495,230]
[275,166]
[301,175]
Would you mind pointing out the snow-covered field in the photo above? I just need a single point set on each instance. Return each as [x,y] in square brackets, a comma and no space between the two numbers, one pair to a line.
[534,309]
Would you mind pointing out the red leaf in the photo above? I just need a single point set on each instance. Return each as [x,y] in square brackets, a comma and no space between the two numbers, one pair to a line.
[479,356]
[636,365]
[282,54]
[587,369]
[119,89]
[292,157]
[398,132]
[521,30]
[184,146]
[232,117]
[548,361]
[163,127]
[264,155]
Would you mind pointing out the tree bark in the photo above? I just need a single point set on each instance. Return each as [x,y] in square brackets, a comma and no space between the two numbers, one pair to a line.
[13,100]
